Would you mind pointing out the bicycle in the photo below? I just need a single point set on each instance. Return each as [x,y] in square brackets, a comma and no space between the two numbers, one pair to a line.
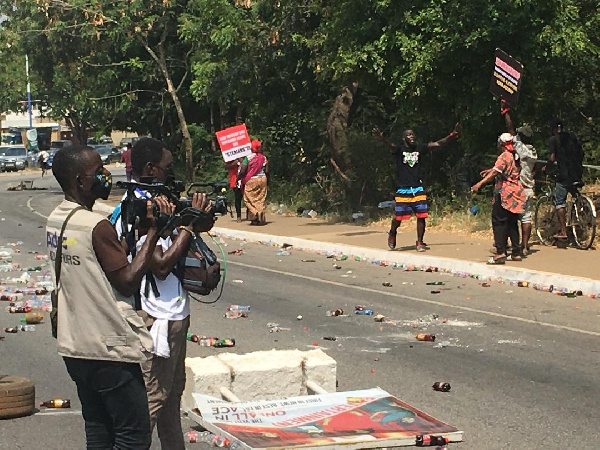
[581,216]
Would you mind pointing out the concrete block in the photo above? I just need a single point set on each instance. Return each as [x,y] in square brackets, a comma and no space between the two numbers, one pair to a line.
[204,376]
[320,368]
[266,374]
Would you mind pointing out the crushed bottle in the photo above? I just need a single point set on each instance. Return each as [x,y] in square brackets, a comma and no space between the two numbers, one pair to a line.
[337,312]
[425,337]
[441,386]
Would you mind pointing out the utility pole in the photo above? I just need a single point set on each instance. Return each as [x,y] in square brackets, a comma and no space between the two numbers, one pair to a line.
[28,92]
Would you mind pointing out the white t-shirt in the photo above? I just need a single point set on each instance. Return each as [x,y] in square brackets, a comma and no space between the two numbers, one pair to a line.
[172,303]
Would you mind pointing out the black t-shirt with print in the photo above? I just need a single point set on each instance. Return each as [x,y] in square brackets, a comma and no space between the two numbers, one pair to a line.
[407,165]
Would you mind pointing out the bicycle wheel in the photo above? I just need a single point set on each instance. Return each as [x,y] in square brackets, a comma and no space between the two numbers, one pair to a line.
[583,222]
[546,220]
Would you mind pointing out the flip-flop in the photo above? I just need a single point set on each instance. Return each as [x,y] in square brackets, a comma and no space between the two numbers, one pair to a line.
[516,258]
[496,262]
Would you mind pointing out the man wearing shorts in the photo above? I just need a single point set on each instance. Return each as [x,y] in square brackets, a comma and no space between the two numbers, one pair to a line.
[528,157]
[410,195]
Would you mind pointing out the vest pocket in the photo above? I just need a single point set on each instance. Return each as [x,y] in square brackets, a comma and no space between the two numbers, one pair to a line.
[136,323]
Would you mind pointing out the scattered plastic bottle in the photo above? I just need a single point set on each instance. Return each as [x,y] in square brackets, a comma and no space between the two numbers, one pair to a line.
[220,343]
[430,441]
[207,341]
[436,283]
[425,337]
[283,253]
[330,338]
[11,297]
[523,284]
[191,436]
[364,312]
[234,314]
[337,312]
[57,403]
[191,337]
[11,330]
[244,308]
[27,327]
[441,386]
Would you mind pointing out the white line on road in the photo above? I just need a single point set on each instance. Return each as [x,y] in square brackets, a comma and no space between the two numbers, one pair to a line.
[57,413]
[421,300]
[33,210]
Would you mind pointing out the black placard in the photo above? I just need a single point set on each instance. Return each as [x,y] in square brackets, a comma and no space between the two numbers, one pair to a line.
[506,77]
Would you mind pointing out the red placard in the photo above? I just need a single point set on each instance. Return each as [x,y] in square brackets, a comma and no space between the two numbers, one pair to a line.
[234,142]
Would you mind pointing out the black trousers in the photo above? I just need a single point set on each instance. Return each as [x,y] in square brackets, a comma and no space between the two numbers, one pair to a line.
[238,195]
[114,403]
[504,224]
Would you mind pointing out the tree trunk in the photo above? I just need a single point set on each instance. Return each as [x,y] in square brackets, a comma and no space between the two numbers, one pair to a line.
[78,128]
[213,138]
[222,113]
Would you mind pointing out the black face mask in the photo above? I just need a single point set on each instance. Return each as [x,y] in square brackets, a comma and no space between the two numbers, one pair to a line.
[102,186]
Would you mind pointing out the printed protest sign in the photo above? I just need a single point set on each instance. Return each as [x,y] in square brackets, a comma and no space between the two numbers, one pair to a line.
[356,419]
[234,142]
[506,77]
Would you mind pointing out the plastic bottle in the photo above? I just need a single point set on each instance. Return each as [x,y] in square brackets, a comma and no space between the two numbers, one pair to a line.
[11,297]
[436,283]
[27,327]
[430,441]
[206,342]
[364,312]
[244,308]
[220,343]
[57,403]
[192,337]
[191,436]
[425,337]
[523,284]
[441,386]
[337,312]
[11,330]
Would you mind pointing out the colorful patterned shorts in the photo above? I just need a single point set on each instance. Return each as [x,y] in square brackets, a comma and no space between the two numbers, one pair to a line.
[409,201]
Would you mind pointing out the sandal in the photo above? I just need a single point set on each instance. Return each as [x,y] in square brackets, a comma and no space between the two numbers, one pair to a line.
[391,240]
[515,258]
[496,261]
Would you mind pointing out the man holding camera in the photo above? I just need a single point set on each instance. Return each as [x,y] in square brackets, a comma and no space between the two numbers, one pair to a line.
[100,337]
[164,302]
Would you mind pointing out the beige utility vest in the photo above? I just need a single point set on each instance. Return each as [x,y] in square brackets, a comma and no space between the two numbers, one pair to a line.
[94,320]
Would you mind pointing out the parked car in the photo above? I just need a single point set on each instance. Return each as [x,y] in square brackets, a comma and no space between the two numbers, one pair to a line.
[57,145]
[103,140]
[128,140]
[108,154]
[15,157]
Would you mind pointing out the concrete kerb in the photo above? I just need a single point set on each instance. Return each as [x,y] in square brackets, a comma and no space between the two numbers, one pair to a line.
[455,266]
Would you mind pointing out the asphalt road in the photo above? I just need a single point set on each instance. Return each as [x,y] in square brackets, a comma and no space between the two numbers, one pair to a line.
[522,364]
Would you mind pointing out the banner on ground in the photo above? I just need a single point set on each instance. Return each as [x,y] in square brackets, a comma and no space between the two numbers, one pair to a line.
[234,142]
[506,77]
[356,419]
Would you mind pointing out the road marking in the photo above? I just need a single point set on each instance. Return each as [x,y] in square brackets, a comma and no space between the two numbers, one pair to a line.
[420,300]
[57,413]
[33,210]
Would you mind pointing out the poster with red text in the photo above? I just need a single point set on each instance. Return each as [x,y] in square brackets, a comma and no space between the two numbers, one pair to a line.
[370,418]
[234,142]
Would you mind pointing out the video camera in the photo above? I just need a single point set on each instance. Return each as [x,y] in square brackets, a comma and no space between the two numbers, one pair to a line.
[133,207]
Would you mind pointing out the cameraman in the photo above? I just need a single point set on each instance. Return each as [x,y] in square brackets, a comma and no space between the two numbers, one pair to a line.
[165,306]
[100,338]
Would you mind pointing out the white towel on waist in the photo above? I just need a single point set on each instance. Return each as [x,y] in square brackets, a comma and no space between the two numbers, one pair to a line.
[160,336]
